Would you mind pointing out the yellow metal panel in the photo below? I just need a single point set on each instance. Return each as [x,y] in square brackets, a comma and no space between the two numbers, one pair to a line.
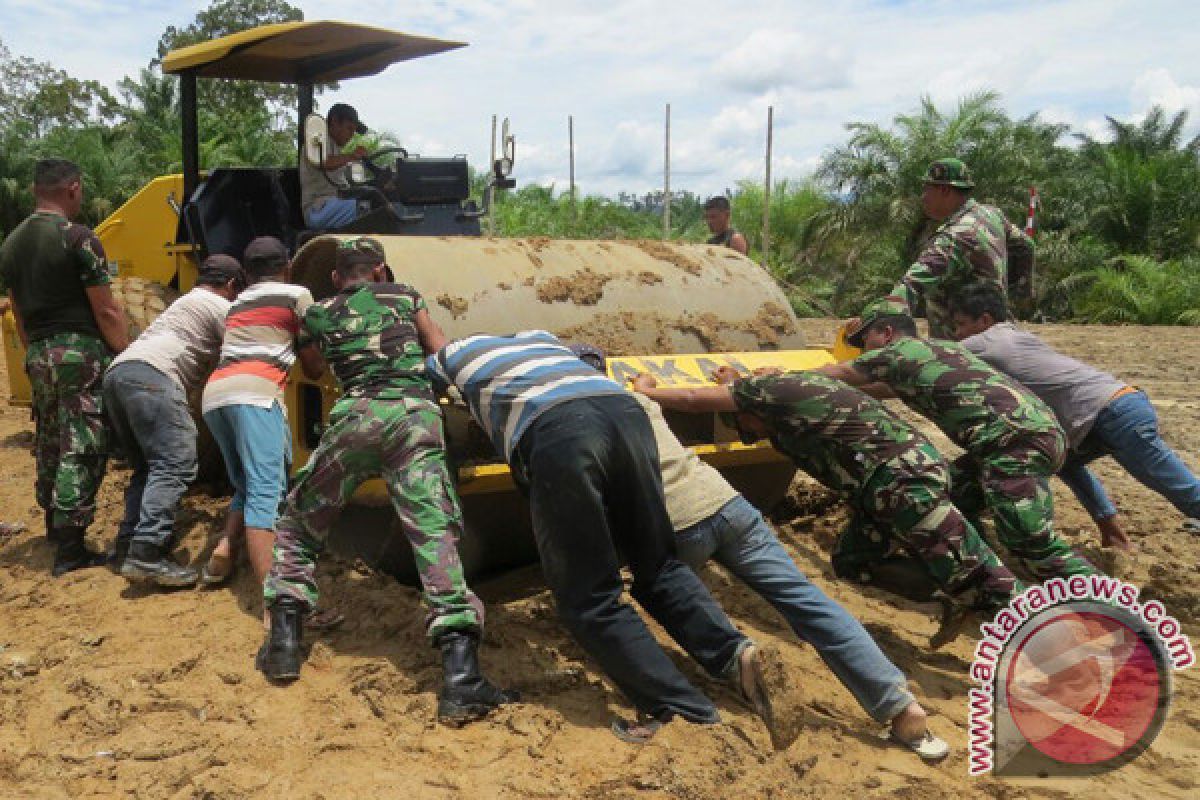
[20,392]
[139,237]
[695,369]
[317,51]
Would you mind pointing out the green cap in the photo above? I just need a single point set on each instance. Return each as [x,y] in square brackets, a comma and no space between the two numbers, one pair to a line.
[949,172]
[359,250]
[889,306]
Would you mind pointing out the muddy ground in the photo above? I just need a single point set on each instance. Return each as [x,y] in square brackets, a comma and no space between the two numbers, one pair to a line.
[108,691]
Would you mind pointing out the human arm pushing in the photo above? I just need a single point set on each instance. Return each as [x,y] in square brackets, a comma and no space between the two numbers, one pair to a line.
[705,399]
[110,317]
[429,332]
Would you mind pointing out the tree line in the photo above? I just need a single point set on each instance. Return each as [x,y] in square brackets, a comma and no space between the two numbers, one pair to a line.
[1118,228]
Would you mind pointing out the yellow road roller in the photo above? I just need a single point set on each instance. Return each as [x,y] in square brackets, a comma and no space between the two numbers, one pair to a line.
[676,310]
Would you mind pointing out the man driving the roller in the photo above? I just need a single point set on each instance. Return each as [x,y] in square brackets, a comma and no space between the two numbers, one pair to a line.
[321,181]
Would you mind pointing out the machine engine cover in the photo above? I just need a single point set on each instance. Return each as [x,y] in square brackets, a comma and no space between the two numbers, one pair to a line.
[431,180]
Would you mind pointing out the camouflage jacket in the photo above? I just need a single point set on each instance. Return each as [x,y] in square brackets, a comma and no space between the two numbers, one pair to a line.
[974,404]
[368,336]
[973,245]
[830,430]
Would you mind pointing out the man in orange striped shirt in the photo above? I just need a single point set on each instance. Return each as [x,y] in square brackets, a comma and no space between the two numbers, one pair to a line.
[243,401]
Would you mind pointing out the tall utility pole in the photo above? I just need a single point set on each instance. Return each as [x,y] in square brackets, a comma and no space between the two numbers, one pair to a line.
[766,229]
[667,178]
[571,147]
[491,198]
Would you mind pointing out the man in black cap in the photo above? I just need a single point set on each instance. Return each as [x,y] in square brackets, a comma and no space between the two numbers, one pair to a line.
[146,396]
[717,212]
[321,180]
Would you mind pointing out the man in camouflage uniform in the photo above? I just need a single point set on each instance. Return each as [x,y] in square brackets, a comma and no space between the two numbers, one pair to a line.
[375,336]
[57,278]
[1012,440]
[974,244]
[851,443]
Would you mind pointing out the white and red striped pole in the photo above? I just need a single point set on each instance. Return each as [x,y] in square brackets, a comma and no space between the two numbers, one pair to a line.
[1033,202]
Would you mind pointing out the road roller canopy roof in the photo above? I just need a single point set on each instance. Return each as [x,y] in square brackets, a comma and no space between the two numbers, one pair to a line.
[306,52]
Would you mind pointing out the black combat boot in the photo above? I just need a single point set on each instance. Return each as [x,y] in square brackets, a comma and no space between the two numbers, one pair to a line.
[148,562]
[466,695]
[71,553]
[119,552]
[280,656]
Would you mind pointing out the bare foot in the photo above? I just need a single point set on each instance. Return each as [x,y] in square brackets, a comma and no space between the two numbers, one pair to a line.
[1113,535]
[910,723]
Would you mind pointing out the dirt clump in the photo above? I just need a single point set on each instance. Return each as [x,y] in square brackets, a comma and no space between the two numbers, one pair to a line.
[584,287]
[672,255]
[457,306]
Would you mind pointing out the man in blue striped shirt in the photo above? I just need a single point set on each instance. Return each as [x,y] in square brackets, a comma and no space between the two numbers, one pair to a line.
[583,451]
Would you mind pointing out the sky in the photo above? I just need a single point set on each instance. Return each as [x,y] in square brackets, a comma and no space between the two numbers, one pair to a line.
[614,66]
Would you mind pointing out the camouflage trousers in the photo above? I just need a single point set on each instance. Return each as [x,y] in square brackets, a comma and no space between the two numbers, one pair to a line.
[905,505]
[1013,481]
[66,371]
[403,442]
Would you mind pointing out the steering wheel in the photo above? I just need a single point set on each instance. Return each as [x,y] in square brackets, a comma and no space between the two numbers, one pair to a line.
[380,174]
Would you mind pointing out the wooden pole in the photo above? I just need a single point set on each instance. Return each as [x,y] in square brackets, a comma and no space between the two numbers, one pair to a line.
[491,198]
[766,229]
[667,178]
[571,146]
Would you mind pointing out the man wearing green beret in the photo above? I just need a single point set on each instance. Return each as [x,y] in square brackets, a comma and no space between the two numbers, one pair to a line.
[975,244]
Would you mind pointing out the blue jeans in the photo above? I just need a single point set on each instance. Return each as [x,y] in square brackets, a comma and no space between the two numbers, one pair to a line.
[257,447]
[150,415]
[738,538]
[1127,430]
[333,213]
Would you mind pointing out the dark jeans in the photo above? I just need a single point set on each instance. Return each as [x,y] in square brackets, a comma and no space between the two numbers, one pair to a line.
[1127,430]
[150,415]
[590,468]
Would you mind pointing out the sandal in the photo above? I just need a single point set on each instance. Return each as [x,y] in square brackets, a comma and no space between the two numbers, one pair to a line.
[218,570]
[756,696]
[928,747]
[639,731]
[323,619]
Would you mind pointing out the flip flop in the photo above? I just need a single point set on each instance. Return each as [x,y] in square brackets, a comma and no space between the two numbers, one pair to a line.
[930,748]
[639,731]
[212,575]
[756,697]
[323,619]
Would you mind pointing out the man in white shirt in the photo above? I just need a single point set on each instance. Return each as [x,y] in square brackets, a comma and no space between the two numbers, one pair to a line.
[321,182]
[146,393]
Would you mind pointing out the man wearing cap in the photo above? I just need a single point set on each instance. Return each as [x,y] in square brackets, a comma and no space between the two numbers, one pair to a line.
[55,274]
[243,401]
[320,182]
[1102,416]
[1012,440]
[897,482]
[717,213]
[974,244]
[146,393]
[375,335]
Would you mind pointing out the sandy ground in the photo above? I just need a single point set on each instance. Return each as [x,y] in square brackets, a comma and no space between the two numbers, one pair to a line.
[108,691]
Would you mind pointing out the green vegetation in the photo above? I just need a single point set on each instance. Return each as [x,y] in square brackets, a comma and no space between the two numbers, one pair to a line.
[1118,230]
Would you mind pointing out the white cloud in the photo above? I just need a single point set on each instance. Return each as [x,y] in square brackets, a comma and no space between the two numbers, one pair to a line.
[613,66]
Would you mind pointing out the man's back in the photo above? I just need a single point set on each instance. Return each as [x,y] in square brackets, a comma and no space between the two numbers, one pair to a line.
[48,263]
[1075,391]
[509,380]
[368,336]
[259,347]
[973,403]
[184,341]
[832,431]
